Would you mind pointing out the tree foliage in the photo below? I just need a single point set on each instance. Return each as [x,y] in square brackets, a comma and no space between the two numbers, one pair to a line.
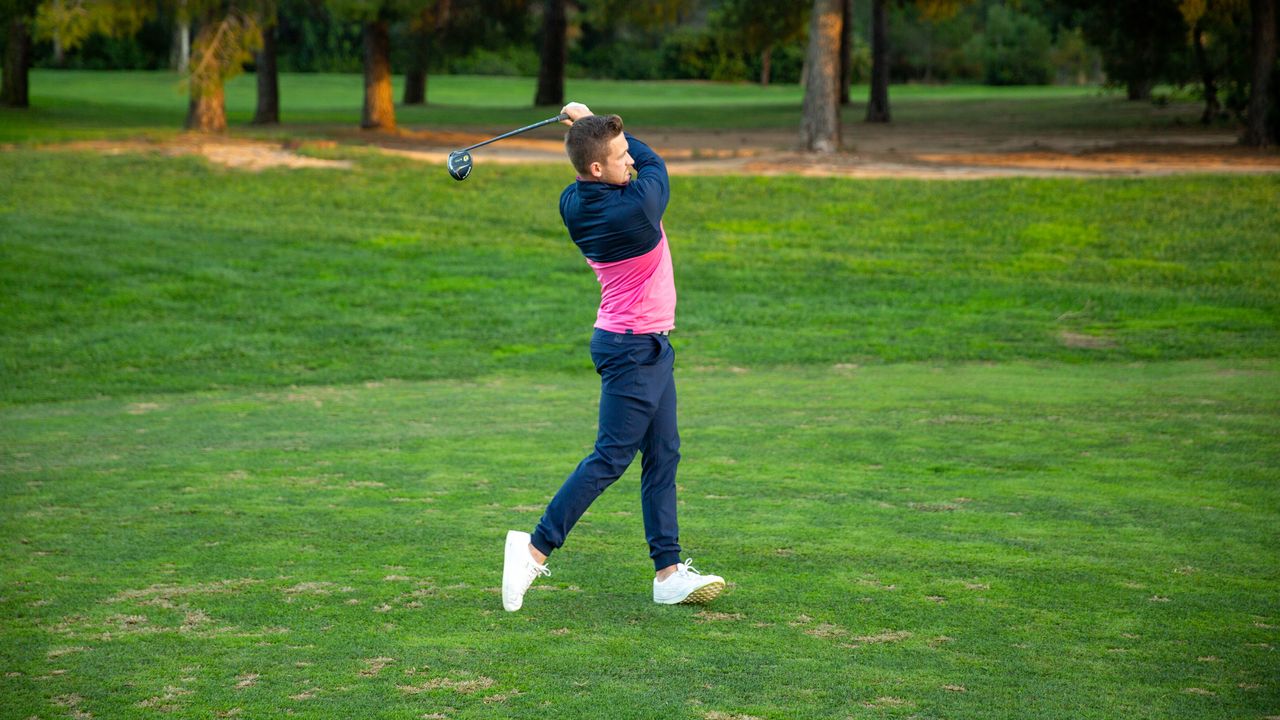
[73,21]
[1140,39]
[1015,48]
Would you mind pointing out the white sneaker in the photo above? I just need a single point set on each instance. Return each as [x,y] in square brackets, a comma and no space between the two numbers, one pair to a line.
[519,570]
[687,586]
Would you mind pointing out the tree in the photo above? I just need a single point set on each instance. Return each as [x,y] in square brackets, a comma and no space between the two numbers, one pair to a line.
[264,64]
[17,16]
[180,54]
[647,15]
[423,29]
[229,32]
[1138,39]
[226,40]
[931,11]
[846,49]
[1261,133]
[554,53]
[820,117]
[878,102]
[1015,48]
[66,22]
[378,112]
[758,26]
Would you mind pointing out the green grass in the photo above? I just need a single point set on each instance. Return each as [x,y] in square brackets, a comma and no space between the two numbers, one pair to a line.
[85,104]
[993,449]
[188,277]
[1059,541]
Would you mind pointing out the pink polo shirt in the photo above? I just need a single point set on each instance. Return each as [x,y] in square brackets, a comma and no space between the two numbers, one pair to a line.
[639,293]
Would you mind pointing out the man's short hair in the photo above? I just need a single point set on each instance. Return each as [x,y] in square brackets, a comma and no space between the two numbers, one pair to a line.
[588,140]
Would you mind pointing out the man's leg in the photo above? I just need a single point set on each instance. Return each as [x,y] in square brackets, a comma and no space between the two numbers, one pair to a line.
[660,451]
[629,394]
[623,421]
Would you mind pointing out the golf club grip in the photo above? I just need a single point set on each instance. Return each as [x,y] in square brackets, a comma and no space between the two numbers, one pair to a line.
[526,128]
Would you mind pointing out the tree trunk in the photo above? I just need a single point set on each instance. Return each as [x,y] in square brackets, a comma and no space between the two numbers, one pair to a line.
[1211,105]
[820,120]
[1139,88]
[14,86]
[846,49]
[182,47]
[554,49]
[766,65]
[415,76]
[379,108]
[415,86]
[180,53]
[207,111]
[1264,61]
[268,112]
[878,103]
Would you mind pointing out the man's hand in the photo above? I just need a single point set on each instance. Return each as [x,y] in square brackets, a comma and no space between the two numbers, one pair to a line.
[575,111]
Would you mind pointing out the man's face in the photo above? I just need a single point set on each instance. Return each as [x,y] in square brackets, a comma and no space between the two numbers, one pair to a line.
[616,169]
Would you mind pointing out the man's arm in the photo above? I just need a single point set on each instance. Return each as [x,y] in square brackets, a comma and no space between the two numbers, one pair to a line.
[651,190]
[651,183]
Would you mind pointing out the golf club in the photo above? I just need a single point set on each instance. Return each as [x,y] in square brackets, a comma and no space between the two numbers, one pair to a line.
[459,162]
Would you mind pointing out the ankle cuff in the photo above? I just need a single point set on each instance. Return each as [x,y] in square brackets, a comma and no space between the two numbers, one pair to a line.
[541,543]
[666,559]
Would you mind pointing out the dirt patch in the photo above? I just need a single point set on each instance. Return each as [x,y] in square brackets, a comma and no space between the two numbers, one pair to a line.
[888,151]
[888,636]
[237,153]
[464,686]
[825,630]
[142,408]
[888,702]
[1088,342]
[373,666]
[161,594]
[893,151]
[311,588]
[501,697]
[712,616]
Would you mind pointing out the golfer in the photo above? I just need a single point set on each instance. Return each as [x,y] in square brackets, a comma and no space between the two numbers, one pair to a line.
[617,224]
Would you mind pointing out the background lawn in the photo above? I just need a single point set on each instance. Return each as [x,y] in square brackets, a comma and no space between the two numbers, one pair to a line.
[70,104]
[993,449]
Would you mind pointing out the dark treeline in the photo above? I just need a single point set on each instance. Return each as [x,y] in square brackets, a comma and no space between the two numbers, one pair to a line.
[991,41]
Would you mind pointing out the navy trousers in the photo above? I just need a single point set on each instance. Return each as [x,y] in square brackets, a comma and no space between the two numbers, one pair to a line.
[637,413]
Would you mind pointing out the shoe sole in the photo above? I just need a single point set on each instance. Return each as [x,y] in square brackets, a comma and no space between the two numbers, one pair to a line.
[704,594]
[506,563]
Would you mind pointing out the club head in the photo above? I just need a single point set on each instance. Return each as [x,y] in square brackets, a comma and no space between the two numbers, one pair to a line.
[459,164]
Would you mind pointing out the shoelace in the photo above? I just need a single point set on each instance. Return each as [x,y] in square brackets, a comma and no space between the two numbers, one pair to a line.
[688,566]
[533,571]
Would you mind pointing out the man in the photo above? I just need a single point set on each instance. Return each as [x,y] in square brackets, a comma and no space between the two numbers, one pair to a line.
[617,224]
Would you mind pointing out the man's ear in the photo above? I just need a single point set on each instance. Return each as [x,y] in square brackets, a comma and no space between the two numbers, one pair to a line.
[597,170]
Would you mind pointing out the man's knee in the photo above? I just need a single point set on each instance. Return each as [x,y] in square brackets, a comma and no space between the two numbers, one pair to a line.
[611,461]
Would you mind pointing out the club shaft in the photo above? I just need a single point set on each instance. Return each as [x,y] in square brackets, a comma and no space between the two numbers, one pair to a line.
[526,128]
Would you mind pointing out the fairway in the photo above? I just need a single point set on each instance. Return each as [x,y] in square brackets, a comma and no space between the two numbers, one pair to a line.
[986,449]
[1004,541]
